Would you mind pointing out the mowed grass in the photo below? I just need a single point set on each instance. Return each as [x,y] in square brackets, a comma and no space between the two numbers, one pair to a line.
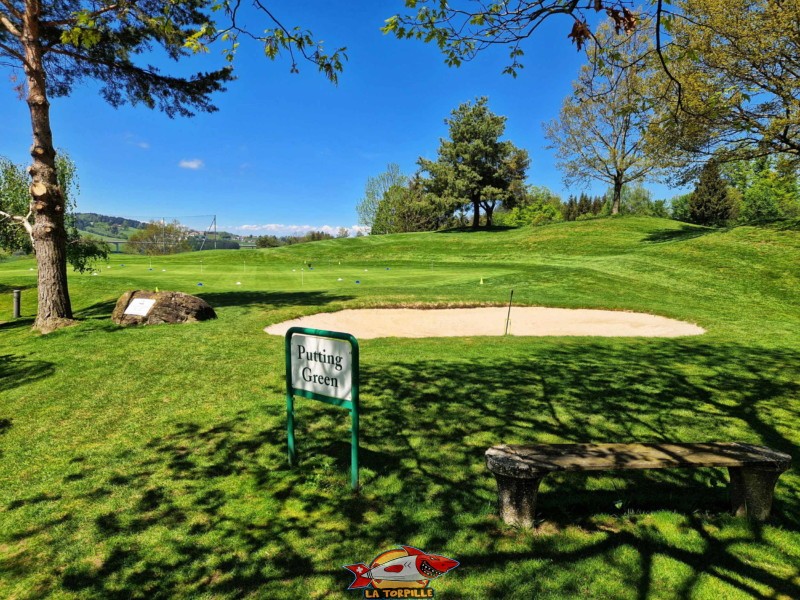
[151,462]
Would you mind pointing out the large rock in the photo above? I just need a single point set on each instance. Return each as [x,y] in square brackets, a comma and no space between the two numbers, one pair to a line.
[152,308]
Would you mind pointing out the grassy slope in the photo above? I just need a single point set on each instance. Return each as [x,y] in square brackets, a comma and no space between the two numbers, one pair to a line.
[150,462]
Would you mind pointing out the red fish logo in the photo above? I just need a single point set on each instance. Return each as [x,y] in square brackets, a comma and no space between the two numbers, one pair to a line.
[405,567]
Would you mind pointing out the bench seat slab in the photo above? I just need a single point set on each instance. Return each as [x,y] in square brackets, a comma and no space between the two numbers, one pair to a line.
[519,470]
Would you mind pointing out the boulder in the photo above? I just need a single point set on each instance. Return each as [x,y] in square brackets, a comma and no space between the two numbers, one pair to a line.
[140,307]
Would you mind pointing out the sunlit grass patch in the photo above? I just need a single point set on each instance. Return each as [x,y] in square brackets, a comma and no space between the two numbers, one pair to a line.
[151,462]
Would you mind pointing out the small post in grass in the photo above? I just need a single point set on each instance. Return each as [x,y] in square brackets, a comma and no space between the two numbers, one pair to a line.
[508,317]
[323,365]
[17,295]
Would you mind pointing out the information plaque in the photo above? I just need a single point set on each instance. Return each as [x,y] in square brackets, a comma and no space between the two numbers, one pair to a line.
[140,307]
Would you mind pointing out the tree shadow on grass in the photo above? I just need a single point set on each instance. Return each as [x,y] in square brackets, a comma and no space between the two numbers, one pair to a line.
[481,229]
[686,232]
[211,508]
[16,371]
[272,299]
[17,323]
[7,289]
[103,310]
[99,310]
[5,425]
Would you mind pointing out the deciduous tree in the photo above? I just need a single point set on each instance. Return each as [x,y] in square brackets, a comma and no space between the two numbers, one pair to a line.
[375,191]
[463,28]
[736,66]
[409,208]
[600,130]
[160,237]
[768,187]
[16,224]
[14,211]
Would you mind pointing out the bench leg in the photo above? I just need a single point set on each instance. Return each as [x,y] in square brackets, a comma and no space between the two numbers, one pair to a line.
[751,491]
[518,499]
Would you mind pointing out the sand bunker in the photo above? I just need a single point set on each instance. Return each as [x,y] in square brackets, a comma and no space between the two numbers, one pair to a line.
[452,322]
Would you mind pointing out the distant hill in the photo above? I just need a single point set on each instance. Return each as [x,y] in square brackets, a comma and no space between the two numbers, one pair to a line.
[117,229]
[106,227]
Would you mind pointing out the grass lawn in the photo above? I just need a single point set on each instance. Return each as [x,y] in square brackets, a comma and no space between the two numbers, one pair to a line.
[151,462]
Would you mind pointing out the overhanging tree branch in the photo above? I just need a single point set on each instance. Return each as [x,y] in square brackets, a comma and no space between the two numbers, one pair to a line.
[9,26]
[23,221]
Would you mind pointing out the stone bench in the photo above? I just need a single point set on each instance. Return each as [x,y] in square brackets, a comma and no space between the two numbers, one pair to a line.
[519,469]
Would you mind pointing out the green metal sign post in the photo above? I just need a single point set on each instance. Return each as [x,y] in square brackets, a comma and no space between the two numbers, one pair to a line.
[323,365]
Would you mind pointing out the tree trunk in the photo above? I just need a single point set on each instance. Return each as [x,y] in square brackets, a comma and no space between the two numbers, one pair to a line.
[489,208]
[47,202]
[615,202]
[476,214]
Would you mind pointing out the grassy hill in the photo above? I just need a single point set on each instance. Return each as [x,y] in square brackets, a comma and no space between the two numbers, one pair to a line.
[150,462]
[104,227]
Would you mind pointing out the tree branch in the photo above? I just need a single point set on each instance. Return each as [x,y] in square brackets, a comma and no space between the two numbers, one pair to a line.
[23,221]
[9,26]
[92,15]
[12,10]
[12,53]
[660,54]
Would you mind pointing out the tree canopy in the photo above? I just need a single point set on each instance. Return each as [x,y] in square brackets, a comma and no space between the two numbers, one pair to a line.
[711,202]
[463,28]
[410,207]
[375,191]
[15,213]
[736,67]
[474,166]
[600,130]
[14,202]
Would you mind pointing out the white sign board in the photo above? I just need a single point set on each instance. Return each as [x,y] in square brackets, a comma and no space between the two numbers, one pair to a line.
[322,365]
[140,307]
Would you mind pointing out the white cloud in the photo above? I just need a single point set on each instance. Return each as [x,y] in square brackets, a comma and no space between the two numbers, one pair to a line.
[135,140]
[282,229]
[193,164]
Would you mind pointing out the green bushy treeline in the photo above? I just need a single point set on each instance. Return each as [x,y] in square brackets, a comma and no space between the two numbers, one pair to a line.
[273,241]
[756,191]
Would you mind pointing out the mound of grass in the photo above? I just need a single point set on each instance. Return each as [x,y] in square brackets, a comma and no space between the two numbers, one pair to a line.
[151,462]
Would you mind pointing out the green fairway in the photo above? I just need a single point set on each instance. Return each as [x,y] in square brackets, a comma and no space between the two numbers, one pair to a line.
[151,462]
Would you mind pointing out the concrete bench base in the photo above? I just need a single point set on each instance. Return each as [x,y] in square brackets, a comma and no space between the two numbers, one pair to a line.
[519,470]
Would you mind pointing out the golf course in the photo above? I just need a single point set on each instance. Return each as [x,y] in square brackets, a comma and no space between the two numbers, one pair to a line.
[151,462]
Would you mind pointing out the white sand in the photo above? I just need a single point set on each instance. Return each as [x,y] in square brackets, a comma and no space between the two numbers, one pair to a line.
[533,321]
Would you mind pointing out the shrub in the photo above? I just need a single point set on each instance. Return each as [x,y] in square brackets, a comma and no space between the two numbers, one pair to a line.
[759,203]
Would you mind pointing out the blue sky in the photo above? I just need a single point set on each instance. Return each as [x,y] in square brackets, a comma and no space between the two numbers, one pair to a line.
[290,152]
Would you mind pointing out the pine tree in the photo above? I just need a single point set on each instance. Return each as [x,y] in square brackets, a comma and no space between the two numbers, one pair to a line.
[584,205]
[570,209]
[711,203]
[58,45]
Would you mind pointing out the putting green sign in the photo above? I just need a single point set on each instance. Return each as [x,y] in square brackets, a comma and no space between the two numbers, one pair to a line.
[322,365]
